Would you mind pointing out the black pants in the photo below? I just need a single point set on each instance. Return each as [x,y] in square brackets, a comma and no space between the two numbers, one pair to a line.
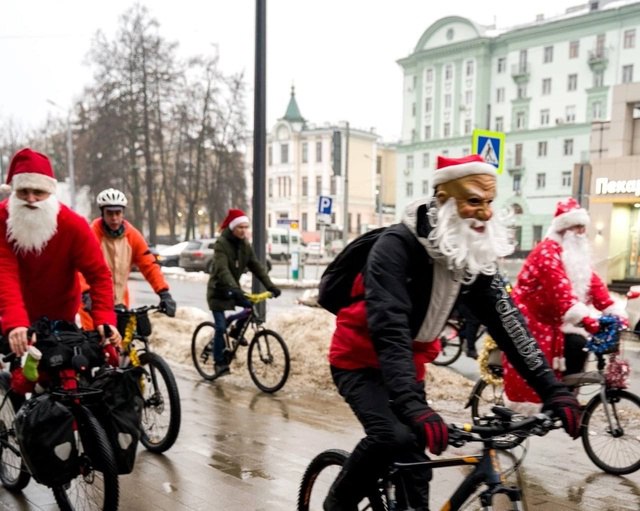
[387,439]
[470,326]
[574,355]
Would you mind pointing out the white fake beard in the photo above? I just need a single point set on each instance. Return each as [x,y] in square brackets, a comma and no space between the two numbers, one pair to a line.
[576,257]
[30,229]
[465,249]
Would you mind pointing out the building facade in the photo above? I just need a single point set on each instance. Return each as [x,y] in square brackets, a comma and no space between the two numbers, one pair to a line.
[543,84]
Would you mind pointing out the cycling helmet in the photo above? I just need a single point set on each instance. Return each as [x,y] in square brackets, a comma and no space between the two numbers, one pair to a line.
[111,197]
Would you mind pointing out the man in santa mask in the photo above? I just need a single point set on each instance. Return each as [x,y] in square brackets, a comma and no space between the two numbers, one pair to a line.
[43,246]
[445,249]
[555,290]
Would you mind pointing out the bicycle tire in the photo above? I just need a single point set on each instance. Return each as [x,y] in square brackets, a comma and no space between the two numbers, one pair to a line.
[484,396]
[14,474]
[617,453]
[450,345]
[90,491]
[268,361]
[201,352]
[158,436]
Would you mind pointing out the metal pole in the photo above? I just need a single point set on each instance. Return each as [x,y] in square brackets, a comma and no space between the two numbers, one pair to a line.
[72,172]
[345,213]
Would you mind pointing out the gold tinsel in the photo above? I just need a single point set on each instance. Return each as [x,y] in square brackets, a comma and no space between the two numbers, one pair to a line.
[483,361]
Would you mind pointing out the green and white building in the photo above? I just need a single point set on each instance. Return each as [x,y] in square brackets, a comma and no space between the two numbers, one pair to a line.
[543,84]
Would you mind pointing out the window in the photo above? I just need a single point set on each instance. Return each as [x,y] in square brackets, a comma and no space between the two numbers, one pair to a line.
[447,100]
[446,129]
[570,113]
[318,151]
[520,120]
[469,68]
[572,82]
[445,152]
[518,156]
[499,94]
[574,49]
[467,126]
[546,86]
[448,72]
[600,40]
[499,124]
[270,155]
[566,179]
[270,188]
[598,78]
[627,73]
[427,132]
[284,153]
[305,186]
[410,161]
[468,97]
[425,187]
[318,185]
[548,54]
[429,75]
[333,186]
[426,160]
[544,117]
[567,147]
[413,109]
[409,190]
[541,180]
[517,182]
[522,90]
[537,234]
[305,152]
[630,38]
[596,110]
[542,148]
[427,105]
[305,221]
[502,64]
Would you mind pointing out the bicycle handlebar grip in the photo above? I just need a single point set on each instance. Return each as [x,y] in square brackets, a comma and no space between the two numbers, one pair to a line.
[107,330]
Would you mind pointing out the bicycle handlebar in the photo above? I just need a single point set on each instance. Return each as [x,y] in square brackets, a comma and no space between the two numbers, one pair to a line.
[259,297]
[138,310]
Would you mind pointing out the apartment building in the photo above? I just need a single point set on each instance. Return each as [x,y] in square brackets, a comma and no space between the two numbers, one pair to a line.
[542,83]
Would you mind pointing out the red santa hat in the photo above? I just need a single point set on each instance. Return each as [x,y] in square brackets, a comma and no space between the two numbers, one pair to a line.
[30,169]
[568,214]
[449,169]
[234,218]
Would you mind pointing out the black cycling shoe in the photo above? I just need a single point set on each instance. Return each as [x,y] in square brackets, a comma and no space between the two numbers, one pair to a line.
[221,369]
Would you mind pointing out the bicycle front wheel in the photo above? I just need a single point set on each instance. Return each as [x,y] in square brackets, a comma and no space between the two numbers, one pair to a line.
[451,346]
[13,472]
[613,446]
[202,349]
[268,361]
[161,415]
[96,486]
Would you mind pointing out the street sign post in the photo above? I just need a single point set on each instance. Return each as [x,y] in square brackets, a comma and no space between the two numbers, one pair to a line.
[491,146]
[292,225]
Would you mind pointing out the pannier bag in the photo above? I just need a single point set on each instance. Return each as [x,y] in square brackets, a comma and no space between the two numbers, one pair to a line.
[143,323]
[45,433]
[120,412]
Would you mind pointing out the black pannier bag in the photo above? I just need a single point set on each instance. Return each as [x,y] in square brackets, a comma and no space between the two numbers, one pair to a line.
[45,432]
[119,411]
[143,323]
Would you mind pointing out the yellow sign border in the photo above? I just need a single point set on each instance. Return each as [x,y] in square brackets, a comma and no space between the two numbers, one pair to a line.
[476,134]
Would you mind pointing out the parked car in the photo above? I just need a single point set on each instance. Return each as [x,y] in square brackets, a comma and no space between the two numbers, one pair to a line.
[170,256]
[282,242]
[312,250]
[197,255]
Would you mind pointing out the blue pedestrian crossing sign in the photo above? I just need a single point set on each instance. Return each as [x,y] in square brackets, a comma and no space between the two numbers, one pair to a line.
[324,205]
[491,146]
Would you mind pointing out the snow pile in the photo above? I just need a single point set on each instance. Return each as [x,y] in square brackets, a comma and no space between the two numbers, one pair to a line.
[307,332]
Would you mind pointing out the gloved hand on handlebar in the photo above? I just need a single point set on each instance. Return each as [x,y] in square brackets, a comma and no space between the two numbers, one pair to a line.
[434,430]
[239,297]
[275,291]
[565,407]
[86,301]
[167,303]
[591,325]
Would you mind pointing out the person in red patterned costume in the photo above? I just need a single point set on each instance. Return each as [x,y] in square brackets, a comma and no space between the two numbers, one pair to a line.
[43,246]
[557,291]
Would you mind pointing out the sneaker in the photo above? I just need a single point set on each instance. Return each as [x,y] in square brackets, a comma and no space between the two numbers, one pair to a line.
[472,354]
[221,369]
[243,342]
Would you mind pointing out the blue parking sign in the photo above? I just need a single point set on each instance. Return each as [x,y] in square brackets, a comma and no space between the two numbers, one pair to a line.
[324,205]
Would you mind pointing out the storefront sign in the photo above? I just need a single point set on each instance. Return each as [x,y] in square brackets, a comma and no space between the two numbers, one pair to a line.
[606,187]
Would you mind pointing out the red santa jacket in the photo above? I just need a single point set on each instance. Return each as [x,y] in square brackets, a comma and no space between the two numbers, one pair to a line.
[33,285]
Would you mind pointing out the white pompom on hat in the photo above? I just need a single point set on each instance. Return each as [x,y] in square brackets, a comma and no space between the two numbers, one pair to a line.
[568,214]
[30,169]
[449,169]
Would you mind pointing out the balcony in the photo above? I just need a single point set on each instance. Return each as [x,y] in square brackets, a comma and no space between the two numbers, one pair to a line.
[515,165]
[520,72]
[598,59]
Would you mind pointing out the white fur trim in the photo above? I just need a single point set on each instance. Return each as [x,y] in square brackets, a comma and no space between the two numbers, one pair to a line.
[569,219]
[237,221]
[576,313]
[616,310]
[34,180]
[452,172]
[568,328]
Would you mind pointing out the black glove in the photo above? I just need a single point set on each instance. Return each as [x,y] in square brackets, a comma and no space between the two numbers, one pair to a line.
[565,407]
[86,301]
[430,426]
[239,297]
[167,303]
[275,291]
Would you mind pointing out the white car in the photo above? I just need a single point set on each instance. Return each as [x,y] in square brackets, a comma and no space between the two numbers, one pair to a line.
[313,250]
[169,256]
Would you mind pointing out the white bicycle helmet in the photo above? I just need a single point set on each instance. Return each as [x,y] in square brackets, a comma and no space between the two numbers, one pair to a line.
[111,197]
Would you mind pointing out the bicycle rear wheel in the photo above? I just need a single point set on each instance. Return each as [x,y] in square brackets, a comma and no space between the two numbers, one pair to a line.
[96,487]
[13,472]
[451,345]
[318,478]
[615,449]
[268,361]
[161,415]
[202,349]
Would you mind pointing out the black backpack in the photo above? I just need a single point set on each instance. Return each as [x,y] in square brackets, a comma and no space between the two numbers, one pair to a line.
[337,280]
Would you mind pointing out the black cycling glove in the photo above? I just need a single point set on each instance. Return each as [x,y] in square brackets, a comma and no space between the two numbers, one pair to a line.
[167,303]
[86,301]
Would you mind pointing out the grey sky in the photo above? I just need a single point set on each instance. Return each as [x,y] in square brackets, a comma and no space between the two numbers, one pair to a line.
[340,54]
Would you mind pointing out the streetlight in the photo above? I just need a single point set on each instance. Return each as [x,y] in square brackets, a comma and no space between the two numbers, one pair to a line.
[72,173]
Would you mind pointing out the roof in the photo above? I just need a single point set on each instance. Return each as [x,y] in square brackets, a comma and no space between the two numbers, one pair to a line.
[293,112]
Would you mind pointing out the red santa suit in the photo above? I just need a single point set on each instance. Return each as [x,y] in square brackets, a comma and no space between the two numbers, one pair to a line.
[547,299]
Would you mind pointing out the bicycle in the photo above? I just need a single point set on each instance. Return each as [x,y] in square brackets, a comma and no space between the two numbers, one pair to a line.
[161,415]
[391,490]
[451,343]
[92,483]
[610,425]
[268,357]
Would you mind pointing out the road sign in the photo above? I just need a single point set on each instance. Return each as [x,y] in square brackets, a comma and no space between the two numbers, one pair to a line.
[288,222]
[324,205]
[491,146]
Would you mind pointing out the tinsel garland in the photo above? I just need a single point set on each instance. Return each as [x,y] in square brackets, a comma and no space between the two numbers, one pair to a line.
[618,372]
[483,362]
[607,337]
